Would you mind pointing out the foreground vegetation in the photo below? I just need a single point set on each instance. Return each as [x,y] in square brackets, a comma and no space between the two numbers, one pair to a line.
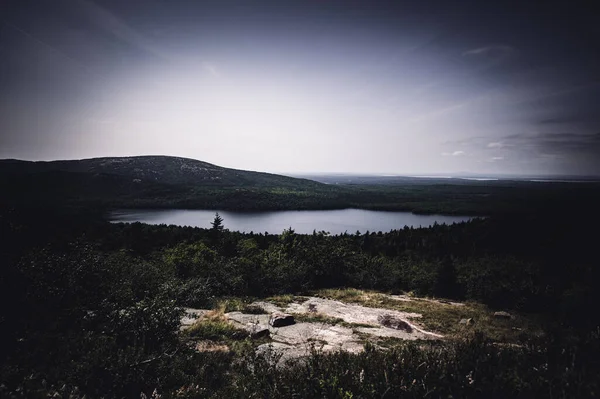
[92,308]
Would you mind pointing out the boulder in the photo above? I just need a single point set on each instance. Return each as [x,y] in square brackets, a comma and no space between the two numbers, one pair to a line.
[502,315]
[396,323]
[281,320]
[467,322]
[257,332]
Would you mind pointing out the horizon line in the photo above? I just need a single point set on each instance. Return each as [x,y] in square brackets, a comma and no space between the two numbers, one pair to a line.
[431,175]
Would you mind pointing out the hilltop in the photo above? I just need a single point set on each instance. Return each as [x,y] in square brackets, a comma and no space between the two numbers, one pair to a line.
[158,169]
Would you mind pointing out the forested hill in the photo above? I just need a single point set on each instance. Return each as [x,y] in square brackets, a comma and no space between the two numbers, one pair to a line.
[159,182]
[158,169]
[171,182]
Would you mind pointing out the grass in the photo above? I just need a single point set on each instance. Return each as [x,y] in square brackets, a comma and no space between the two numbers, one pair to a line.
[374,342]
[443,317]
[215,330]
[214,325]
[324,319]
[342,294]
[253,309]
[283,301]
[317,318]
[231,304]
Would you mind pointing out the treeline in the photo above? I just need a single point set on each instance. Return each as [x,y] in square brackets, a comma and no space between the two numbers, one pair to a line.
[254,192]
[96,305]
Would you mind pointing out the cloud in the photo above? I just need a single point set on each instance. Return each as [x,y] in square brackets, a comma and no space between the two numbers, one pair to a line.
[453,154]
[495,144]
[494,159]
[553,121]
[110,23]
[489,56]
[438,112]
[582,115]
[490,51]
[543,145]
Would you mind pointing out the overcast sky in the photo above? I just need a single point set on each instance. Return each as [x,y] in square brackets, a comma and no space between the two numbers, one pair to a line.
[393,87]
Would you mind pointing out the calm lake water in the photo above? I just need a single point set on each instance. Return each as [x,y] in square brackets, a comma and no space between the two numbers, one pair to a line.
[303,222]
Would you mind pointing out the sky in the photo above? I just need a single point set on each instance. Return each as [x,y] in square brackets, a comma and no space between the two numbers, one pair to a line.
[306,86]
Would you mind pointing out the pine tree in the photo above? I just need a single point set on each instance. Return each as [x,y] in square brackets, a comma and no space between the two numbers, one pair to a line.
[217,223]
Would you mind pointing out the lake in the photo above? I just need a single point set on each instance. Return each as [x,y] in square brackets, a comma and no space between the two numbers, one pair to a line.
[303,222]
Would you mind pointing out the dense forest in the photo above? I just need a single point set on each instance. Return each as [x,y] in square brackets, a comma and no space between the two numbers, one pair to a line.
[92,308]
[171,182]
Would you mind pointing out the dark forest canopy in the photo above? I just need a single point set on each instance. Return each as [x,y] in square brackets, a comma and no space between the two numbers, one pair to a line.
[108,295]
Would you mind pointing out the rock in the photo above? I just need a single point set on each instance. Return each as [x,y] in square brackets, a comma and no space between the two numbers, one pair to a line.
[245,320]
[191,316]
[394,322]
[467,322]
[502,315]
[258,332]
[281,320]
[255,324]
[305,333]
[278,354]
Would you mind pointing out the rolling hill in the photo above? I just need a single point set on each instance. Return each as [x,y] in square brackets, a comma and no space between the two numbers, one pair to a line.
[157,181]
[159,169]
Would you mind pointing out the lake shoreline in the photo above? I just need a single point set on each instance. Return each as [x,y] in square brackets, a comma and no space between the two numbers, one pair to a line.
[339,221]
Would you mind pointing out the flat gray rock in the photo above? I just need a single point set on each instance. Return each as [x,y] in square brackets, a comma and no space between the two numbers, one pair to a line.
[244,319]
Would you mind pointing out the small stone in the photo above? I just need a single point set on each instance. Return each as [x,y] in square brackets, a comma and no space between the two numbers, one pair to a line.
[502,315]
[281,320]
[467,322]
[394,322]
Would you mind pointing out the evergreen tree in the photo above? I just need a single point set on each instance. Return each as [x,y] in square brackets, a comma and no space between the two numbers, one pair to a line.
[217,223]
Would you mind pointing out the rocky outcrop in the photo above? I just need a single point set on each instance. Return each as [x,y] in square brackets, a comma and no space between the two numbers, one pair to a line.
[292,339]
